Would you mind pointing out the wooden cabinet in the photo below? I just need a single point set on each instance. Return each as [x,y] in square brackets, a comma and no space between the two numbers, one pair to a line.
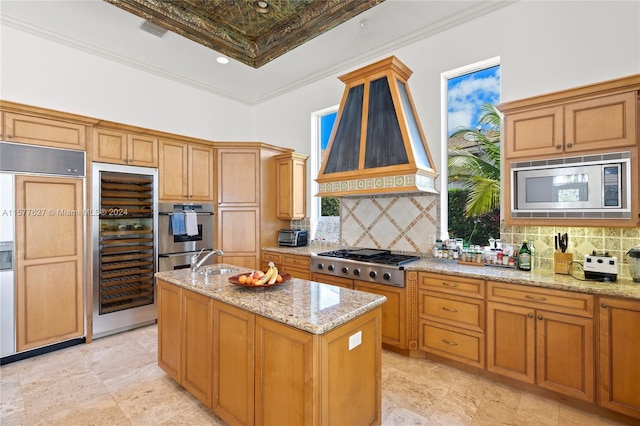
[542,336]
[246,202]
[451,316]
[291,172]
[260,371]
[118,147]
[197,336]
[319,378]
[39,130]
[170,329]
[296,265]
[238,172]
[233,364]
[49,267]
[330,279]
[271,256]
[185,171]
[286,363]
[394,312]
[619,363]
[601,123]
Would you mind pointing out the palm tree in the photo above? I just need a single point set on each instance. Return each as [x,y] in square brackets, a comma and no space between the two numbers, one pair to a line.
[478,169]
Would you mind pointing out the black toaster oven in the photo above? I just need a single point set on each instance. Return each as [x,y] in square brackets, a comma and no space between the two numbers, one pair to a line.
[292,237]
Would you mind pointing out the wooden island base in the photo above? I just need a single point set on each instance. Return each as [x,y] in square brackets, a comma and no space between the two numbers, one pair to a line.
[253,370]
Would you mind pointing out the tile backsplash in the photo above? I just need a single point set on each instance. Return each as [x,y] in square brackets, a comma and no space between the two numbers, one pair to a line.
[411,222]
[399,222]
[582,240]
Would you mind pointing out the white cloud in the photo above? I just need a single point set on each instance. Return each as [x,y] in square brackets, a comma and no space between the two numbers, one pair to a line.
[466,98]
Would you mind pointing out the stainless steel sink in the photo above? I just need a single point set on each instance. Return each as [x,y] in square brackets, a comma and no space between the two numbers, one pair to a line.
[217,271]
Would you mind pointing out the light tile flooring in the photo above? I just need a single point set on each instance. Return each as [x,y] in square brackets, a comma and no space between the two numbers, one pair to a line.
[116,381]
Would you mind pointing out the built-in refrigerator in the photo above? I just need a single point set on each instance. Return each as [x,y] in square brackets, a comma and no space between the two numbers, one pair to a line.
[124,229]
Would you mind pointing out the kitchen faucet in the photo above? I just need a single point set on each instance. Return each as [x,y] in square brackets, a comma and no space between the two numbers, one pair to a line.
[195,264]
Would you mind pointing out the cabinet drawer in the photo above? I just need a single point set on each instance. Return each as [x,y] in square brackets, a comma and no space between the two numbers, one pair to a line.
[542,298]
[453,285]
[296,261]
[453,343]
[269,256]
[304,274]
[453,310]
[330,279]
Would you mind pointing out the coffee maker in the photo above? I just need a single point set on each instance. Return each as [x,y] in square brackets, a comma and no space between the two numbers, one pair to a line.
[633,257]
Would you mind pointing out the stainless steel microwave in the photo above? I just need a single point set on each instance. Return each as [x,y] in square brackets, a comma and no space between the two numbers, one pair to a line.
[588,187]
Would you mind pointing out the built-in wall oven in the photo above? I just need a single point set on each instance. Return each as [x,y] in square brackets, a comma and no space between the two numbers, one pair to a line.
[184,230]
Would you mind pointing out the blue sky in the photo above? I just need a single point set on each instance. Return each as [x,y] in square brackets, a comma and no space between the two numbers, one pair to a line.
[467,93]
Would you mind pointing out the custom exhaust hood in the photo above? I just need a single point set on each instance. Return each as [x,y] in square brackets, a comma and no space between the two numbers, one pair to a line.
[377,145]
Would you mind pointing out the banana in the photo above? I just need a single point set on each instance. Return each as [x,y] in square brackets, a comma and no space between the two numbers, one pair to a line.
[274,276]
[267,276]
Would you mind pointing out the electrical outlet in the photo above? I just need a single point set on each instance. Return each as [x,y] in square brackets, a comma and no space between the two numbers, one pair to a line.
[355,340]
[432,239]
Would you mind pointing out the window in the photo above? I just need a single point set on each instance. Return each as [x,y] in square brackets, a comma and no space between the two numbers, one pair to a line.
[466,91]
[325,211]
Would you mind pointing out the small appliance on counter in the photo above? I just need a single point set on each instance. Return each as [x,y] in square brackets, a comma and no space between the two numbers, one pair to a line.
[292,238]
[633,257]
[601,268]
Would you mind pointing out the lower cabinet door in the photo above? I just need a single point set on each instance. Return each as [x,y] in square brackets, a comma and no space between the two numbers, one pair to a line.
[197,336]
[565,354]
[285,373]
[619,359]
[511,341]
[49,260]
[394,312]
[170,329]
[233,364]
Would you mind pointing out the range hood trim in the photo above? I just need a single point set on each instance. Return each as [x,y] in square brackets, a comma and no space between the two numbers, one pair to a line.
[405,177]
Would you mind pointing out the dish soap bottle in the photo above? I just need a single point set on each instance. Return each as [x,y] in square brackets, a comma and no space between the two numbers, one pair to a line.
[524,257]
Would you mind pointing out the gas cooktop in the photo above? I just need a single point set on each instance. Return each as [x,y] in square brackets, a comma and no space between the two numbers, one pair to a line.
[381,257]
[376,266]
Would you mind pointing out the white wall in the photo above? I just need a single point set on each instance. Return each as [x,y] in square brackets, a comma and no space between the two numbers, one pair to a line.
[42,73]
[544,46]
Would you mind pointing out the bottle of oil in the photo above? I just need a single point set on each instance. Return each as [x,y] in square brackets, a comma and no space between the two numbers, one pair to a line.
[524,257]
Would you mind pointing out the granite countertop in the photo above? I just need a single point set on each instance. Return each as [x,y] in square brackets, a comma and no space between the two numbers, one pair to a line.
[306,305]
[623,287]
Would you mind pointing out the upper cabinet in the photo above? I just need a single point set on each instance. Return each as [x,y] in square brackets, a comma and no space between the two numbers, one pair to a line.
[594,124]
[185,171]
[114,146]
[238,174]
[291,175]
[38,130]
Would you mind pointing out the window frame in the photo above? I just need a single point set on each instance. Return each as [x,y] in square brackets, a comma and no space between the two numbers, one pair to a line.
[314,165]
[444,133]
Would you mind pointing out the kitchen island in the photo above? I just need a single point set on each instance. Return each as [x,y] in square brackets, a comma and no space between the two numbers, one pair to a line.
[296,353]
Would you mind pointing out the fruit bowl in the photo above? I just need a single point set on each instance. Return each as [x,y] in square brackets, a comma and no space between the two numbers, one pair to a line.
[235,280]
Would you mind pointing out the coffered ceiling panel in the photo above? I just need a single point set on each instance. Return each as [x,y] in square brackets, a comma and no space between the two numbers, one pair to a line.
[252,32]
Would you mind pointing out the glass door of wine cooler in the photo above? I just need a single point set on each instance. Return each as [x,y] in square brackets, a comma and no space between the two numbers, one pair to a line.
[125,222]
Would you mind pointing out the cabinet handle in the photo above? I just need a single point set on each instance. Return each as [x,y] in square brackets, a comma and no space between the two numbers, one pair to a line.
[558,146]
[444,308]
[450,284]
[604,305]
[450,343]
[541,299]
[530,315]
[540,317]
[569,145]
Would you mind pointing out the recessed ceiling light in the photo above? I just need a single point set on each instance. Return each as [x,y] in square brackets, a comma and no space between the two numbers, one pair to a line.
[222,60]
[261,6]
